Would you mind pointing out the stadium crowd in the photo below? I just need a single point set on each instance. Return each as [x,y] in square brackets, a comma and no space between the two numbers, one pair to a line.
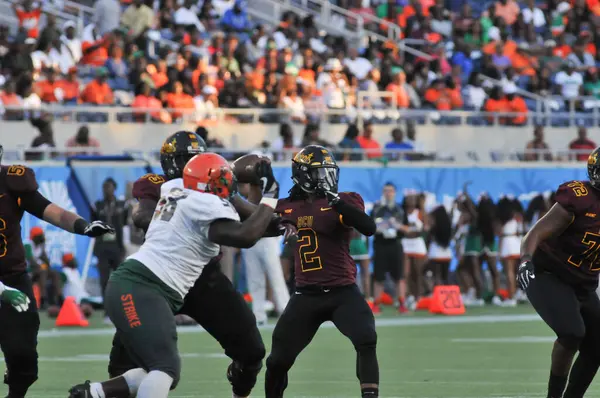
[188,58]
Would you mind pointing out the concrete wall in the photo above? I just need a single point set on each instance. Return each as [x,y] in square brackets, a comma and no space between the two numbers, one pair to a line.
[115,137]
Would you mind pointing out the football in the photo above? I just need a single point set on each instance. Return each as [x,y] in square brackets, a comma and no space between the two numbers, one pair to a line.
[243,168]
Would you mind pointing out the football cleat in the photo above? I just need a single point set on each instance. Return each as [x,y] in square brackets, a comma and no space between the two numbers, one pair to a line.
[81,390]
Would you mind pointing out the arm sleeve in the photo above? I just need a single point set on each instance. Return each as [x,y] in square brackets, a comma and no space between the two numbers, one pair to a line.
[352,213]
[34,203]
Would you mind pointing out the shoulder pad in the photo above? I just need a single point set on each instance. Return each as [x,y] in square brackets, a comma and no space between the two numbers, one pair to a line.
[354,199]
[148,187]
[573,195]
[283,205]
[21,179]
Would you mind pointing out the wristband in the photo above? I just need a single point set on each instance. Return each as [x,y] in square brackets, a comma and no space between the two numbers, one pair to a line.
[525,258]
[79,226]
[2,288]
[271,202]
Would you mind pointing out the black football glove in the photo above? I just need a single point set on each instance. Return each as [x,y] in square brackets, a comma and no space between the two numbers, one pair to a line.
[264,174]
[98,228]
[332,197]
[525,274]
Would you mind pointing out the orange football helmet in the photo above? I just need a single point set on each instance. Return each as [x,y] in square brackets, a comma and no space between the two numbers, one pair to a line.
[209,172]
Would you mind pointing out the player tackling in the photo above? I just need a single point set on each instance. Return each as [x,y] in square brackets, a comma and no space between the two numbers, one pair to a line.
[325,273]
[142,295]
[20,320]
[559,272]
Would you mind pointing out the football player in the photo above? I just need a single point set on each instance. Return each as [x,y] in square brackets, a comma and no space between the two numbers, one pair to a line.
[19,194]
[559,272]
[213,301]
[325,273]
[145,292]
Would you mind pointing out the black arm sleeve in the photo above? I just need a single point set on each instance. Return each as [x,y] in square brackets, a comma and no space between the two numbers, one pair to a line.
[34,203]
[356,218]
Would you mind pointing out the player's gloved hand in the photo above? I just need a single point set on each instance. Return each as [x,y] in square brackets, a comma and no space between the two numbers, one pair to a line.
[332,197]
[264,174]
[273,192]
[98,228]
[288,230]
[525,274]
[16,298]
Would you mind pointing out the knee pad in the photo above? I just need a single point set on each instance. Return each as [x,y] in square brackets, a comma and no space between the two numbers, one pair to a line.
[570,341]
[365,340]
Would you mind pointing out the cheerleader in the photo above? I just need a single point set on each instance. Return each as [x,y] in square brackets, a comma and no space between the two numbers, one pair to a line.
[440,255]
[511,219]
[488,227]
[415,249]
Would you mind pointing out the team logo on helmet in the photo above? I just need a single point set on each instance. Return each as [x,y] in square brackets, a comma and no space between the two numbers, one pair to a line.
[593,158]
[304,157]
[169,147]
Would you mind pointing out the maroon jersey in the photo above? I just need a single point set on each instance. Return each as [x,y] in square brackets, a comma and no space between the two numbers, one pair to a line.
[148,187]
[322,254]
[15,182]
[574,255]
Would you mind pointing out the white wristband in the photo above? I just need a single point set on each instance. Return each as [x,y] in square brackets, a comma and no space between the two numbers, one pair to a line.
[2,288]
[271,202]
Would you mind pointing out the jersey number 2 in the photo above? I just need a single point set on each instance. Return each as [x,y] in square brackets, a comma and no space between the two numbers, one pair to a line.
[3,242]
[167,205]
[308,244]
[589,255]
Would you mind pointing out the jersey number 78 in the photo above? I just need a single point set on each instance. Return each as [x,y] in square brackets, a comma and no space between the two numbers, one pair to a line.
[168,204]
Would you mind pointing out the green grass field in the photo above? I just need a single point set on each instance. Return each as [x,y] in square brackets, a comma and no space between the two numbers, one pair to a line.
[487,353]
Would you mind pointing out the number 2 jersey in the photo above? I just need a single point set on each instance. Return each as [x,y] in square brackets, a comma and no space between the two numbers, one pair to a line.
[322,253]
[574,255]
[177,246]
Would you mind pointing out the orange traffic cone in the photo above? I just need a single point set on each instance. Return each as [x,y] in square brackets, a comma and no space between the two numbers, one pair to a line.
[423,303]
[446,300]
[37,294]
[70,314]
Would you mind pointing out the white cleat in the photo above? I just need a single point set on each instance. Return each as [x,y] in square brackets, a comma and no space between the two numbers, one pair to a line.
[497,301]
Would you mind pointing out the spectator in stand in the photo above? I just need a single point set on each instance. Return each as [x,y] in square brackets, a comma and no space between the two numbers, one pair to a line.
[473,93]
[285,142]
[29,17]
[522,62]
[94,46]
[500,59]
[371,146]
[18,59]
[537,149]
[9,98]
[350,142]
[358,66]
[83,140]
[71,42]
[41,57]
[582,146]
[179,102]
[50,33]
[235,20]
[186,16]
[579,58]
[515,104]
[117,69]
[444,96]
[47,89]
[311,136]
[210,142]
[398,144]
[138,18]
[292,102]
[70,87]
[402,91]
[592,83]
[495,104]
[98,92]
[533,15]
[507,10]
[43,141]
[107,15]
[144,100]
[570,82]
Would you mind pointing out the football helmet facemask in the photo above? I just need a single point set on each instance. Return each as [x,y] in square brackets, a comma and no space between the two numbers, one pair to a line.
[593,168]
[314,169]
[177,150]
[209,172]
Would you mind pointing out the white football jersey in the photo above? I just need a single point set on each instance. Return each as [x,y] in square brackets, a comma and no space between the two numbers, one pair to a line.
[177,246]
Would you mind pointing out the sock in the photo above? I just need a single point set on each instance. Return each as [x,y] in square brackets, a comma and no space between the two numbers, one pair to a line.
[583,372]
[155,385]
[556,386]
[369,392]
[97,391]
[133,378]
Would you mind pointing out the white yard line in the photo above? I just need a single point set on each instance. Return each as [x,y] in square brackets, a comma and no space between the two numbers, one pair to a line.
[510,340]
[388,322]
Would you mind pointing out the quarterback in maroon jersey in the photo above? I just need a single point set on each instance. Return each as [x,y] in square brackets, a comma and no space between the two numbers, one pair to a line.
[18,336]
[325,273]
[559,271]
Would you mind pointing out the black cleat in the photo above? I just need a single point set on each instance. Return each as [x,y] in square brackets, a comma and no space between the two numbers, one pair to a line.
[81,390]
